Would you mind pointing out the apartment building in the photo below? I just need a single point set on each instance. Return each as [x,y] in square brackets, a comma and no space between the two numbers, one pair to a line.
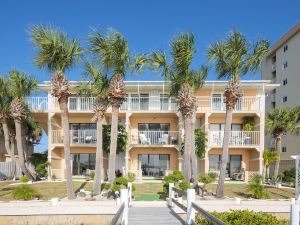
[155,129]
[282,66]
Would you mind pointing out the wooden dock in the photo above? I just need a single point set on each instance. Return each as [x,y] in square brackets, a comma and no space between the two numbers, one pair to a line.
[153,215]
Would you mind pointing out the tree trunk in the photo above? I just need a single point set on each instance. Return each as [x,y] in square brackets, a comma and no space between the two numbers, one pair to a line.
[22,165]
[264,173]
[187,149]
[224,159]
[13,157]
[113,144]
[66,140]
[99,159]
[8,147]
[278,149]
[193,155]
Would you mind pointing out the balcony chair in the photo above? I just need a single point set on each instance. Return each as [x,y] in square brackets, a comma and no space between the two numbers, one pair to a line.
[164,139]
[144,140]
[88,139]
[240,175]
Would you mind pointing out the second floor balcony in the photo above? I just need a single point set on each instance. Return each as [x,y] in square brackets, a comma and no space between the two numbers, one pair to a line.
[237,138]
[77,137]
[155,138]
[152,103]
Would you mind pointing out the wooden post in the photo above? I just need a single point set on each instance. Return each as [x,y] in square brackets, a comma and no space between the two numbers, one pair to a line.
[124,199]
[190,209]
[294,215]
[171,194]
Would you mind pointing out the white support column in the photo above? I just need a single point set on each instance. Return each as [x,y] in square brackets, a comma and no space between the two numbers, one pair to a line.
[124,199]
[127,127]
[294,215]
[206,130]
[180,140]
[171,195]
[190,210]
[49,143]
[261,129]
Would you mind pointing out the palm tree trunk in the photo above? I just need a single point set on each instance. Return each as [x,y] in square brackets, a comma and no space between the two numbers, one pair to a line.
[224,159]
[13,157]
[63,104]
[193,155]
[264,173]
[113,143]
[23,167]
[8,146]
[187,149]
[99,159]
[278,149]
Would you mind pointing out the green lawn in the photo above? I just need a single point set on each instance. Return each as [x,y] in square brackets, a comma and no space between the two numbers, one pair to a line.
[46,190]
[240,190]
[149,192]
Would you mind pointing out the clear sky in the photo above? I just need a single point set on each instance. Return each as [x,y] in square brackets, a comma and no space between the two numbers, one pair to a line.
[147,25]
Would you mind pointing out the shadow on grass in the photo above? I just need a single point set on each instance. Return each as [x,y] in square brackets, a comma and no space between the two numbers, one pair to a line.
[162,195]
[243,194]
[81,186]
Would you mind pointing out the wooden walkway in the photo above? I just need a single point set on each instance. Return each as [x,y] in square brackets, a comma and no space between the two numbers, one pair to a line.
[153,215]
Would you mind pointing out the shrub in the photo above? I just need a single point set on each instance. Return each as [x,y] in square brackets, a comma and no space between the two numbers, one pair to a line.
[121,181]
[243,217]
[91,175]
[41,170]
[24,192]
[24,179]
[131,177]
[117,187]
[184,185]
[106,186]
[207,179]
[256,188]
[213,175]
[178,175]
[289,175]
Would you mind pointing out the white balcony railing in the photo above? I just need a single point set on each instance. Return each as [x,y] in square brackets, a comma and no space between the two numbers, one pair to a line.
[237,138]
[81,103]
[77,137]
[217,104]
[155,138]
[37,103]
[149,104]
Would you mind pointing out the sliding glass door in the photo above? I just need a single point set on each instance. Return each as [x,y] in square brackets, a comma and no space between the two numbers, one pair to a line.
[154,165]
[82,163]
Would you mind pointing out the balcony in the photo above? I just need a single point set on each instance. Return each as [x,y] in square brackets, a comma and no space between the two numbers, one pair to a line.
[237,138]
[273,67]
[77,137]
[207,103]
[155,138]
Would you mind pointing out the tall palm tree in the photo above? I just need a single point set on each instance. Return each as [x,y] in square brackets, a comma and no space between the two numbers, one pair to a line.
[280,121]
[20,85]
[232,58]
[56,52]
[184,81]
[270,157]
[97,86]
[112,53]
[5,120]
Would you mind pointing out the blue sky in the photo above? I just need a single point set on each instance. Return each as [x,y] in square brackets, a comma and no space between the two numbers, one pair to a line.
[148,25]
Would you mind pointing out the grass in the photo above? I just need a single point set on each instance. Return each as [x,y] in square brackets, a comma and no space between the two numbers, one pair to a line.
[149,192]
[240,190]
[46,190]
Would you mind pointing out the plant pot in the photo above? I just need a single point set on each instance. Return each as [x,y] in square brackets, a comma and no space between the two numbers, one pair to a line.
[278,185]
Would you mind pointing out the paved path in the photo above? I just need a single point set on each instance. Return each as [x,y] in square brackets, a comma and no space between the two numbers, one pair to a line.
[153,215]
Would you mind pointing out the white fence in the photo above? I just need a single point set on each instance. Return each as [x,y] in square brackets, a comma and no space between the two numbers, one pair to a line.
[6,169]
[237,138]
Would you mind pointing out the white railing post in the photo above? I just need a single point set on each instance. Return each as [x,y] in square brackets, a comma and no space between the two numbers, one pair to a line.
[124,199]
[190,209]
[129,194]
[294,215]
[171,194]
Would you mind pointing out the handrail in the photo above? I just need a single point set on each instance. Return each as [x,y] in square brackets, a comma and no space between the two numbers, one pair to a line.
[207,215]
[191,206]
[118,214]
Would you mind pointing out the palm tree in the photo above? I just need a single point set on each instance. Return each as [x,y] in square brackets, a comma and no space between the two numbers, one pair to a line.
[97,86]
[270,157]
[232,58]
[20,85]
[184,81]
[112,53]
[57,53]
[5,120]
[279,122]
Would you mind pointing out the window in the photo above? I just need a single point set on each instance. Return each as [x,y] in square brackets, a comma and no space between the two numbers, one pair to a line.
[214,162]
[284,99]
[283,149]
[285,65]
[284,82]
[285,48]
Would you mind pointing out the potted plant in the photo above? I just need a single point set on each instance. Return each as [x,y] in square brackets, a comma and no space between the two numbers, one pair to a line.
[248,125]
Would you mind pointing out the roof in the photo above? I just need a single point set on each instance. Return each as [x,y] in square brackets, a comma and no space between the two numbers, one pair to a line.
[284,38]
